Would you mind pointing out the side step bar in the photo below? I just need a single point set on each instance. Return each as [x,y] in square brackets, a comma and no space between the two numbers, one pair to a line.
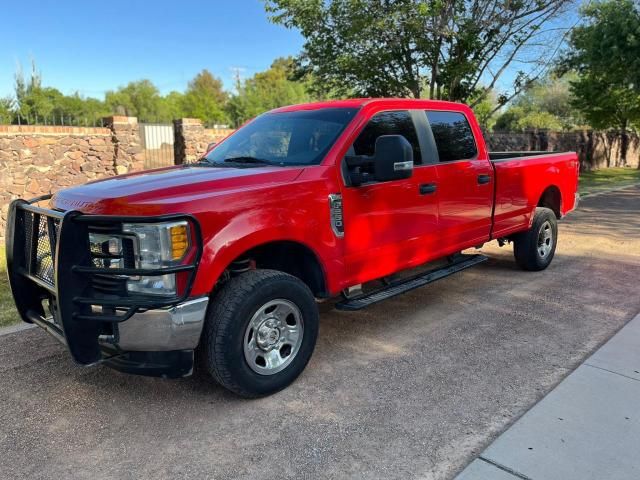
[459,263]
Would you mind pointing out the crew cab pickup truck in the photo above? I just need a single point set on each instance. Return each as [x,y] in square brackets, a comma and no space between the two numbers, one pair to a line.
[224,260]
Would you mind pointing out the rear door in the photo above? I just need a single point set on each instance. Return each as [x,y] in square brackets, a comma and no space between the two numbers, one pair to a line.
[465,182]
[390,225]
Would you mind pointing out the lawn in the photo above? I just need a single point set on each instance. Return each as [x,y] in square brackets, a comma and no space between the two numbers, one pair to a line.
[8,314]
[598,180]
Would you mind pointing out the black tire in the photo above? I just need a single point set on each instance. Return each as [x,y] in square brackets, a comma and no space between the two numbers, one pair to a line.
[230,312]
[530,254]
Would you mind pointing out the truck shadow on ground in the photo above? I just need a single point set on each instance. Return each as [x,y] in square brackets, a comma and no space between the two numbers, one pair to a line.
[382,332]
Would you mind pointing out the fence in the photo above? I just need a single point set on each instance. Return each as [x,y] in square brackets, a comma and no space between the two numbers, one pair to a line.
[56,120]
[157,142]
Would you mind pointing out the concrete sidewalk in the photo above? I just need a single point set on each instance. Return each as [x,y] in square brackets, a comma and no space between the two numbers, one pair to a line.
[588,427]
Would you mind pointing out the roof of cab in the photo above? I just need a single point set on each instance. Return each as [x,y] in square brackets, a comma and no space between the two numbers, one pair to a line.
[360,102]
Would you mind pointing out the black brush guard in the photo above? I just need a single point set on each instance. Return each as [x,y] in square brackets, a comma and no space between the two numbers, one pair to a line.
[49,258]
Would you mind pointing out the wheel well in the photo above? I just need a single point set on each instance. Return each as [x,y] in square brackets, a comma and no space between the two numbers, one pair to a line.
[292,258]
[551,198]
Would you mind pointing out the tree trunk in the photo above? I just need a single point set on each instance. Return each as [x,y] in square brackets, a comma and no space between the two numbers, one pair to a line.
[624,144]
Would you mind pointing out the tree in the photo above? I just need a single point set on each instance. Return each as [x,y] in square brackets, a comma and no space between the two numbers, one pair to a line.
[546,104]
[138,99]
[205,98]
[34,102]
[76,109]
[443,49]
[606,54]
[485,110]
[6,110]
[267,90]
[171,107]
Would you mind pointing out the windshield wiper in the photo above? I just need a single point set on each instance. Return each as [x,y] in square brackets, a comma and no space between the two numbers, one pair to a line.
[247,159]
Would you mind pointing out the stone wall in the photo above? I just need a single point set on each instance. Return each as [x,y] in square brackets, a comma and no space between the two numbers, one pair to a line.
[595,149]
[38,160]
[192,139]
[128,154]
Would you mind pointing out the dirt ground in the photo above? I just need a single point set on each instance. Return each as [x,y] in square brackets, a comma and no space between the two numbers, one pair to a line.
[413,387]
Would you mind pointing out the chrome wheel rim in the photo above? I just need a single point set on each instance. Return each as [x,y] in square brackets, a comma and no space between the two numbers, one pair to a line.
[273,337]
[545,239]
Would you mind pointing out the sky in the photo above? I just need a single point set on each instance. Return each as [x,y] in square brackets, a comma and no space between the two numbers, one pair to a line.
[91,47]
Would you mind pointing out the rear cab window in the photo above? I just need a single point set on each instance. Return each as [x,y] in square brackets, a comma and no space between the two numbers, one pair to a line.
[453,136]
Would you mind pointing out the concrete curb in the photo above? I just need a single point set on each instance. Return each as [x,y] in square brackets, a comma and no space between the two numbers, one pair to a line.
[615,189]
[15,328]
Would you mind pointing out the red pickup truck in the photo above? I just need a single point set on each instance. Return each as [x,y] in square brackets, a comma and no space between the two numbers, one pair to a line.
[225,259]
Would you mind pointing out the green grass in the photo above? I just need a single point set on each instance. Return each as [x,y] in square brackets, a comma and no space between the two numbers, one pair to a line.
[8,314]
[599,180]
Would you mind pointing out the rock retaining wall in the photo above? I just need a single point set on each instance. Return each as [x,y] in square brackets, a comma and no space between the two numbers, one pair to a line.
[36,160]
[595,149]
[192,139]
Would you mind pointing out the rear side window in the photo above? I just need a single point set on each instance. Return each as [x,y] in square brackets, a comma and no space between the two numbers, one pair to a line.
[388,123]
[453,136]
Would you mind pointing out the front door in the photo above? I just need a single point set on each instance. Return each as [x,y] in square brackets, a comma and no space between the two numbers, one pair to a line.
[386,223]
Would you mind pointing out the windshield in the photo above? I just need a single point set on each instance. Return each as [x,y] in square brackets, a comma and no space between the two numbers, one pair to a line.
[300,137]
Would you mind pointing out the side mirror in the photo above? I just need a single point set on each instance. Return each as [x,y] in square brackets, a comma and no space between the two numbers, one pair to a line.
[392,160]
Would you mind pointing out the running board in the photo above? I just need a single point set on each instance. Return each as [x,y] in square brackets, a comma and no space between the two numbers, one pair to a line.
[460,262]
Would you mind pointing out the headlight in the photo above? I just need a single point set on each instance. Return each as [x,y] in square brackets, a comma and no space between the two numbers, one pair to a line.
[144,246]
[157,245]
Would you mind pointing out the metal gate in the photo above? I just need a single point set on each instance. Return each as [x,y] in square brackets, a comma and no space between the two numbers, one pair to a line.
[157,141]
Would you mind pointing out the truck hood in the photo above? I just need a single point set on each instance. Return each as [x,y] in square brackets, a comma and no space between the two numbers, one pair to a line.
[167,190]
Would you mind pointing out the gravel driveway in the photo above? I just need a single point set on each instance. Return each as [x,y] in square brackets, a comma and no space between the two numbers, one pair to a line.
[413,387]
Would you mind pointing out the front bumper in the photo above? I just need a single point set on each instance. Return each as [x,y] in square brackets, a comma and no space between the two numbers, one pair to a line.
[57,284]
[172,328]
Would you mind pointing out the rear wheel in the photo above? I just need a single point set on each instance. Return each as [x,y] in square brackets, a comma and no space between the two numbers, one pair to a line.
[535,248]
[260,332]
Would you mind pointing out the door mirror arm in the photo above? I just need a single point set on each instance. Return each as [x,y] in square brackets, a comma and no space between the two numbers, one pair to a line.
[392,160]
[360,168]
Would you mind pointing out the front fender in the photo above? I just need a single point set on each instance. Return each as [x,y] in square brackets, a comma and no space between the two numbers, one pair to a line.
[254,228]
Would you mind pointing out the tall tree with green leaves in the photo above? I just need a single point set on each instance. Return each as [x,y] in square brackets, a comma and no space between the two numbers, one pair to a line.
[171,107]
[266,90]
[6,110]
[205,98]
[606,54]
[35,103]
[545,104]
[443,49]
[137,99]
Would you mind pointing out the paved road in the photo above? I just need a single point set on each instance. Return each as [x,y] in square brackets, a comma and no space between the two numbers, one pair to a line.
[411,388]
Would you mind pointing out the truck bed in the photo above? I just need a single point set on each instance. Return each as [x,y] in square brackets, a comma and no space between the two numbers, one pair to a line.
[498,156]
[522,179]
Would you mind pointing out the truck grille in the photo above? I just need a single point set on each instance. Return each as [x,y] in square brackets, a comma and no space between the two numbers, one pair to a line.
[41,235]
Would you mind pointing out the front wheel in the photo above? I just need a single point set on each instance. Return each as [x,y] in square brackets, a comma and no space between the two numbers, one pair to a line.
[260,332]
[535,248]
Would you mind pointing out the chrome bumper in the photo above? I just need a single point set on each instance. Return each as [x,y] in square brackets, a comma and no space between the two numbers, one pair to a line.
[164,329]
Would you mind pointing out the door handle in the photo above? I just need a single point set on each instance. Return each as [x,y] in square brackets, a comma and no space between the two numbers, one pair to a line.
[482,179]
[427,188]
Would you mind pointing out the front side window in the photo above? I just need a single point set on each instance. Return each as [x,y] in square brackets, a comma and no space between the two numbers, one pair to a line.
[388,123]
[300,137]
[453,136]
